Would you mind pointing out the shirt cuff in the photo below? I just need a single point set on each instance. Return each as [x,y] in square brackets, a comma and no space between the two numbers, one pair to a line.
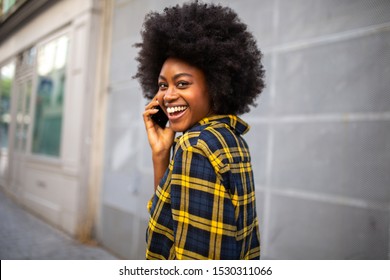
[149,205]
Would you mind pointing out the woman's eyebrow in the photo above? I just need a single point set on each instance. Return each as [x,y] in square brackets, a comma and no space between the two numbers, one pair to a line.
[181,74]
[175,76]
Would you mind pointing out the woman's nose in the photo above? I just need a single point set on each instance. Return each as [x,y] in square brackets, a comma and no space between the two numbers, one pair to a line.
[170,95]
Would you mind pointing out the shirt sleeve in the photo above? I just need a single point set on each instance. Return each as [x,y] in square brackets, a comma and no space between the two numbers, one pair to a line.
[203,214]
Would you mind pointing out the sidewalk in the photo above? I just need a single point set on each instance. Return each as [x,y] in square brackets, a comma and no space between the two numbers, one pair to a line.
[24,236]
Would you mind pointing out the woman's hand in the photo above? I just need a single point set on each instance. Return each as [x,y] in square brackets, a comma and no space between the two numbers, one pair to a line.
[160,141]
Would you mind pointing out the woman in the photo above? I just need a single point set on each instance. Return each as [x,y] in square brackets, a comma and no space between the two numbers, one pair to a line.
[201,67]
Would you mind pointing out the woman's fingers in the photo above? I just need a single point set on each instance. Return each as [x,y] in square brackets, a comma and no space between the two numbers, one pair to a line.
[147,117]
[150,110]
[160,139]
[152,105]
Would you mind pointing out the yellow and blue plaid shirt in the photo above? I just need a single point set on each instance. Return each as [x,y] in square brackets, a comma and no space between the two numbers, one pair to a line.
[204,206]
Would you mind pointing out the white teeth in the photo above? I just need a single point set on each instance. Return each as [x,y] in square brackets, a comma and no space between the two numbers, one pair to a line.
[171,110]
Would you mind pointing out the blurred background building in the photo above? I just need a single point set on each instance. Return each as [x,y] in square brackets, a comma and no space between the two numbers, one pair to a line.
[74,150]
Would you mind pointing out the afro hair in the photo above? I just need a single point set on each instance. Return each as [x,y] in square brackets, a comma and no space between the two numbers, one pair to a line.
[211,38]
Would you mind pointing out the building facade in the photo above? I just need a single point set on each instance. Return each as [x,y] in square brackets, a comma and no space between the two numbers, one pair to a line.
[319,136]
[50,83]
[74,150]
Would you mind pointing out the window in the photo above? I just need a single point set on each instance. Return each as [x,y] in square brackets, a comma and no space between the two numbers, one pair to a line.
[51,71]
[6,80]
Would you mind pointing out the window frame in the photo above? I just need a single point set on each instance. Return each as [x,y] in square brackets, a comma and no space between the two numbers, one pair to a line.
[42,158]
[9,135]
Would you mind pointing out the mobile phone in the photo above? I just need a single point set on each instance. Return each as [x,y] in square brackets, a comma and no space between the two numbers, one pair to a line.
[160,117]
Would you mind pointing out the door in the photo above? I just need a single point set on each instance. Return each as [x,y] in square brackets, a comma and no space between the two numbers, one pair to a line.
[21,123]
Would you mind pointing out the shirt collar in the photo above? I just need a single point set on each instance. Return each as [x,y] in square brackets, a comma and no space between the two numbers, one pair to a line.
[234,122]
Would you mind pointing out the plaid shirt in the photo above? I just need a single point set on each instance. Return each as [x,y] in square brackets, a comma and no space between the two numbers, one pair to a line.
[204,206]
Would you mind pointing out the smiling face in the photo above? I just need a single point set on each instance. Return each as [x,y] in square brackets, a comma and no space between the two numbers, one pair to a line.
[183,94]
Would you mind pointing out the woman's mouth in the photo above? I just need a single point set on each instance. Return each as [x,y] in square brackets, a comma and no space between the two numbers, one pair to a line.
[176,111]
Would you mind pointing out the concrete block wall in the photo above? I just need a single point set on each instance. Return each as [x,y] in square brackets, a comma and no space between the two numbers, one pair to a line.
[320,136]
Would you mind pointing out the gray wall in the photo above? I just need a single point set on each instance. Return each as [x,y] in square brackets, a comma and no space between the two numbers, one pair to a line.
[320,137]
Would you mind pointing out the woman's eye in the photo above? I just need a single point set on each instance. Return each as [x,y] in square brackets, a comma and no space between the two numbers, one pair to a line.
[182,84]
[162,86]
